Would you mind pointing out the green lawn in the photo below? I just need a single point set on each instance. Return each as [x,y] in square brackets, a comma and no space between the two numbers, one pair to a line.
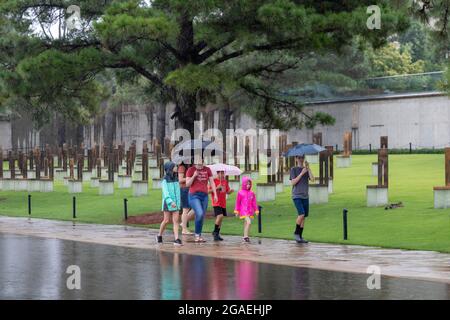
[412,177]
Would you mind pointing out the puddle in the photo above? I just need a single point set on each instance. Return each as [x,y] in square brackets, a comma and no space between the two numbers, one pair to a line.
[35,268]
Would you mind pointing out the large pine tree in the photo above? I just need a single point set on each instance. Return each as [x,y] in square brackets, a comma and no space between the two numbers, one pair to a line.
[189,51]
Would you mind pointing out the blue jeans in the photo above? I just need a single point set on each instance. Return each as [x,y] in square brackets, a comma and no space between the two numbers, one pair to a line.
[199,203]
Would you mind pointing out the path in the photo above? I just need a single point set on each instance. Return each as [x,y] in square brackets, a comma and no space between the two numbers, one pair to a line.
[425,265]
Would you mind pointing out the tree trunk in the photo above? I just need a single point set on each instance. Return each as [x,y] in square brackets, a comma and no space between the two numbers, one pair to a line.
[187,107]
[225,119]
[61,132]
[161,124]
[79,135]
[149,113]
[109,128]
[186,102]
[224,124]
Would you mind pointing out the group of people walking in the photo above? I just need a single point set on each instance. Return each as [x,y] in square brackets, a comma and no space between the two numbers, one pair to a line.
[187,190]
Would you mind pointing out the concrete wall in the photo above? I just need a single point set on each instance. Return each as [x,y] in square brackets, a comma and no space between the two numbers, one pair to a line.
[125,124]
[128,124]
[5,134]
[424,121]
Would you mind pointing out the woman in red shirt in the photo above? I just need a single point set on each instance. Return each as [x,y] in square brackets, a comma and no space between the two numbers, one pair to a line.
[197,179]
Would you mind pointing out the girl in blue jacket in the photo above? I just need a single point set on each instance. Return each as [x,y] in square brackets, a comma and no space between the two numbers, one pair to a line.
[171,202]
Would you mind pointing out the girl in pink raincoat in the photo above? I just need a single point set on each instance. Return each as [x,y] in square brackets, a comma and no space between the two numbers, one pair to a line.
[246,207]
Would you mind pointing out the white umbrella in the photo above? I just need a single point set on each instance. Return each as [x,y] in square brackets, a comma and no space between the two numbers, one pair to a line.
[228,169]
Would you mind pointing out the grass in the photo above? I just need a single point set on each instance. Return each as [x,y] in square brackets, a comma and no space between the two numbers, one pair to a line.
[412,177]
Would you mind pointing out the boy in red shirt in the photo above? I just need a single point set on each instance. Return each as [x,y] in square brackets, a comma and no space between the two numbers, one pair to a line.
[220,207]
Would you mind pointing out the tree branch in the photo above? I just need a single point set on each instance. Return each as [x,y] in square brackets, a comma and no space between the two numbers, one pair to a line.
[268,97]
[147,74]
[282,67]
[171,49]
[68,47]
[285,44]
[208,53]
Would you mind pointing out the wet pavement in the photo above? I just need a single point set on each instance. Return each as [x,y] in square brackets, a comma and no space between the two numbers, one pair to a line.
[420,265]
[35,268]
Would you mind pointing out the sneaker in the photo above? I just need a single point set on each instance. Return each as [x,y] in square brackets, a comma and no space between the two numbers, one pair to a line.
[302,241]
[297,237]
[199,239]
[159,239]
[177,242]
[246,239]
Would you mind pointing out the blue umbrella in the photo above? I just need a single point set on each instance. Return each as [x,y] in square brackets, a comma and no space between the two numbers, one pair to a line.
[303,149]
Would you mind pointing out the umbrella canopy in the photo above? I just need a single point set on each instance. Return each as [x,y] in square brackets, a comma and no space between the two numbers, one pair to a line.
[303,149]
[184,151]
[229,170]
[196,144]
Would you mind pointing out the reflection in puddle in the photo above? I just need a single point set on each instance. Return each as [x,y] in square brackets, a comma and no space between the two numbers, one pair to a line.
[34,268]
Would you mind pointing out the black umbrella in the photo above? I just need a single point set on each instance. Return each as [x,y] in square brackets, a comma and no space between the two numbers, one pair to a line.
[185,151]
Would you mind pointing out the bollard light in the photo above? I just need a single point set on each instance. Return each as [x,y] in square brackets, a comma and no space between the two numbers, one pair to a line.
[344,216]
[125,208]
[29,204]
[74,207]
[259,219]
